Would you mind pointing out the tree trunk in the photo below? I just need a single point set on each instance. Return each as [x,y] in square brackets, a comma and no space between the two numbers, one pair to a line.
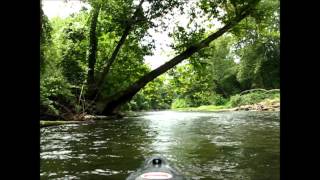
[113,103]
[93,42]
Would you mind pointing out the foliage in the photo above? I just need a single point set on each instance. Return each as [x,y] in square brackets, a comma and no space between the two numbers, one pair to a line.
[180,103]
[54,88]
[219,100]
[191,86]
[209,77]
[221,66]
[45,39]
[258,46]
[56,92]
[127,69]
[155,95]
[72,47]
[259,66]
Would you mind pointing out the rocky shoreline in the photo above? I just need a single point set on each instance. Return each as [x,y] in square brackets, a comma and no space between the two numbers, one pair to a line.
[262,106]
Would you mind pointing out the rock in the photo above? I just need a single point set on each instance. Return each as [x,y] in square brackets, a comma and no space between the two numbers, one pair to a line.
[89,117]
[262,106]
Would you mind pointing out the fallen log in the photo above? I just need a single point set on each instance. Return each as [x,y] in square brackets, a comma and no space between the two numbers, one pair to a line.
[56,123]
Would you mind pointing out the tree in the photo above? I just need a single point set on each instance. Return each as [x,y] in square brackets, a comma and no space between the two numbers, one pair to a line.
[138,23]
[116,101]
[157,94]
[220,65]
[72,46]
[64,59]
[92,52]
[259,48]
[191,87]
[45,39]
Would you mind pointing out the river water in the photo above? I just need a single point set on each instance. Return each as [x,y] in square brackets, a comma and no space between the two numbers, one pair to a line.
[202,145]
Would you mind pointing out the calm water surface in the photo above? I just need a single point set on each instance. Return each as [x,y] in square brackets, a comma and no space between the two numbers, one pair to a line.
[202,145]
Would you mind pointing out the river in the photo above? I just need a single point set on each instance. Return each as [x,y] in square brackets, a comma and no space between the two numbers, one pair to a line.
[202,145]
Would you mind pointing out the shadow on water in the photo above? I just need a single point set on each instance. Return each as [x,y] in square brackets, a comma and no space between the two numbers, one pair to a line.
[225,145]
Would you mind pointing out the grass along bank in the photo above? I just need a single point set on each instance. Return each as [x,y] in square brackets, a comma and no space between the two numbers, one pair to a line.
[255,100]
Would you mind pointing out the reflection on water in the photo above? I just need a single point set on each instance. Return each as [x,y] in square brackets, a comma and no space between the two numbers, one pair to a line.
[224,145]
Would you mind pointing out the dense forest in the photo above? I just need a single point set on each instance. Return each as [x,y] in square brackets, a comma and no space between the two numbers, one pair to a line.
[92,62]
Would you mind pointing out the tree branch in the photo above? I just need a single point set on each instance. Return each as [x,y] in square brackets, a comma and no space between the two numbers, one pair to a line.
[114,55]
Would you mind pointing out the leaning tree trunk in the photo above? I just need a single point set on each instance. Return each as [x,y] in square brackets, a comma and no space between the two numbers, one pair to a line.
[93,42]
[113,103]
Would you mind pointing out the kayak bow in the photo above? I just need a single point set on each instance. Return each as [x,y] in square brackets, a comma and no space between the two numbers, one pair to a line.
[156,167]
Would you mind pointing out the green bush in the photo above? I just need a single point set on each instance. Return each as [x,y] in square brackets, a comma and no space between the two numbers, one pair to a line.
[219,100]
[179,103]
[235,100]
[52,89]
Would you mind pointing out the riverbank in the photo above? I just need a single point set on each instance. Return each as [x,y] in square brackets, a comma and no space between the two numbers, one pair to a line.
[252,100]
[267,105]
[264,105]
